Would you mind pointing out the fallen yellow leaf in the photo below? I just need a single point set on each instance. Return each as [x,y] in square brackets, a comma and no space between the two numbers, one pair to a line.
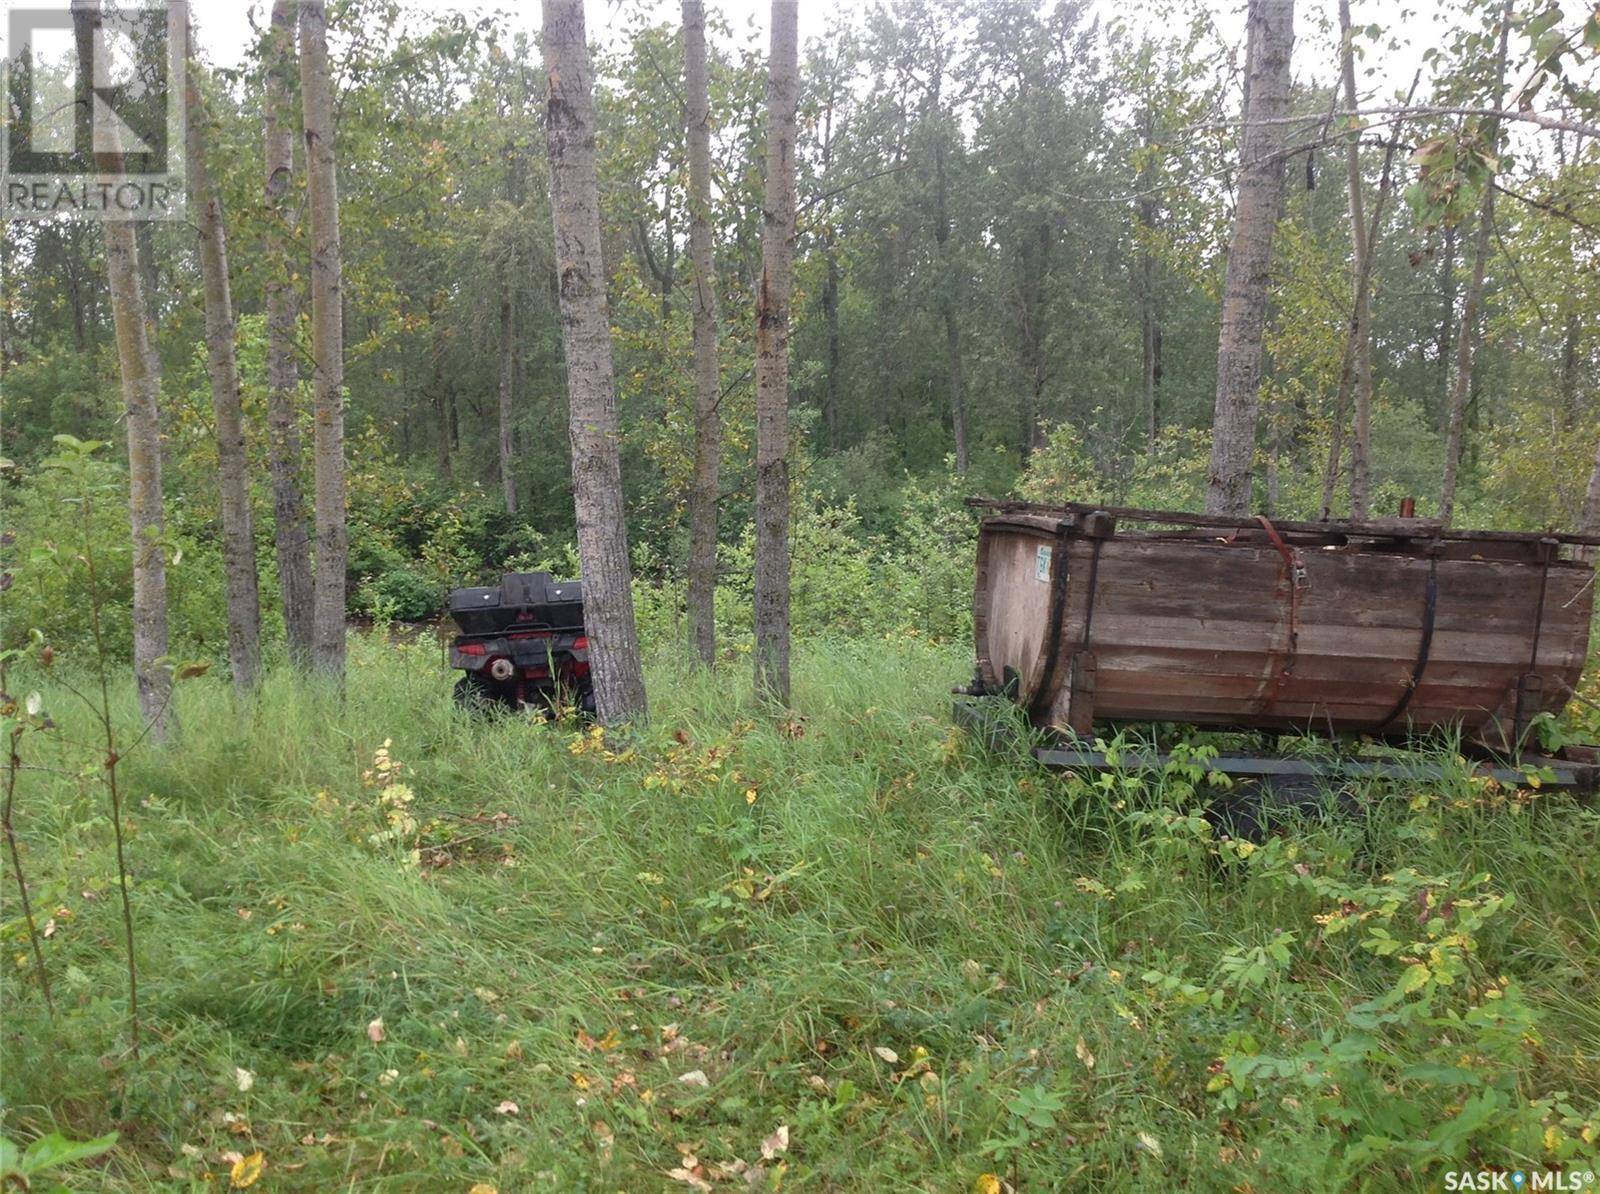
[246,1171]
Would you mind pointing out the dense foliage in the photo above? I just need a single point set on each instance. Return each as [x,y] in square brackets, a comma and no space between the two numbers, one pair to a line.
[385,943]
[378,942]
[1078,171]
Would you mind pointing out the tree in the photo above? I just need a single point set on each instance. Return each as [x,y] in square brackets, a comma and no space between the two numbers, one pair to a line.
[591,389]
[1357,339]
[707,417]
[949,281]
[1360,314]
[141,390]
[772,362]
[1591,499]
[1244,297]
[1149,322]
[516,173]
[1472,300]
[233,471]
[327,342]
[290,539]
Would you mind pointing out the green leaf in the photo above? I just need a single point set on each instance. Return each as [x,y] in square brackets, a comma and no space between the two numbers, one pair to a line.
[1443,1075]
[1538,25]
[9,1156]
[1415,977]
[55,1149]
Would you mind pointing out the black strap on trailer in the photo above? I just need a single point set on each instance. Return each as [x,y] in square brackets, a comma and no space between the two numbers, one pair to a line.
[1430,605]
[1517,726]
[1094,588]
[1058,615]
[1045,693]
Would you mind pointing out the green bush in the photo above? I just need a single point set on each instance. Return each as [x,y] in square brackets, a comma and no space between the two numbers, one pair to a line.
[55,519]
[402,593]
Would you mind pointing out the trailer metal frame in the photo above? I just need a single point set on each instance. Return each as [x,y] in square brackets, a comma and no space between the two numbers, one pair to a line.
[1576,768]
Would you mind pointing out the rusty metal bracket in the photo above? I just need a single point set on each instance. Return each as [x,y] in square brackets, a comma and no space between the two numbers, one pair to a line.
[1295,573]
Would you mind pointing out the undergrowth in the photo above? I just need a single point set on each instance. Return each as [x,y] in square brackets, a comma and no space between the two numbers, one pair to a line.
[385,945]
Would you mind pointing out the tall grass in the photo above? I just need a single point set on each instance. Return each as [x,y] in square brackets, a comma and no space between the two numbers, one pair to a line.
[927,962]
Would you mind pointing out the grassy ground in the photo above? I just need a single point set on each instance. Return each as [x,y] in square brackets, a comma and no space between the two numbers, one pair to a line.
[848,940]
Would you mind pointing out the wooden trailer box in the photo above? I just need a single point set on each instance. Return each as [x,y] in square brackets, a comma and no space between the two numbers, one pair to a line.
[1373,628]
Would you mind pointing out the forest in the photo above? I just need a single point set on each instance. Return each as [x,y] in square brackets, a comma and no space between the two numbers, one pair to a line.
[729,312]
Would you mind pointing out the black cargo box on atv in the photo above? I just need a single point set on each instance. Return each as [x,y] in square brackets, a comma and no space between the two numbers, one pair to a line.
[530,599]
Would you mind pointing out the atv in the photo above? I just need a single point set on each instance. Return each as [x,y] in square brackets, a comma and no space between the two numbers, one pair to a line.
[522,645]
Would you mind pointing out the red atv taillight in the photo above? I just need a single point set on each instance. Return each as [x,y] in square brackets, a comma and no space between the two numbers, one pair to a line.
[581,643]
[472,649]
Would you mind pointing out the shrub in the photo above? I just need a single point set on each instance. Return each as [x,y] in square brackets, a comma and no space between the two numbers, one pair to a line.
[402,593]
[48,527]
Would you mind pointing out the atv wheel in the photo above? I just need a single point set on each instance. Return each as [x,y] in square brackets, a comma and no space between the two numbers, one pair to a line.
[477,695]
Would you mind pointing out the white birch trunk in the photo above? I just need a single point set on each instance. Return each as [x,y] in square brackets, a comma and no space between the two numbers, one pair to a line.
[772,364]
[233,470]
[1244,299]
[591,390]
[702,589]
[327,343]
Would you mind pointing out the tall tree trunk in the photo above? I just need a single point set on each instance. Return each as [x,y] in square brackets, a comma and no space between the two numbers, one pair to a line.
[1033,266]
[948,279]
[327,342]
[1447,316]
[1244,299]
[1360,313]
[958,387]
[1467,332]
[233,469]
[1150,327]
[1362,286]
[1571,406]
[831,410]
[833,413]
[438,387]
[291,540]
[1591,500]
[507,407]
[141,389]
[591,389]
[510,323]
[149,286]
[702,593]
[1151,349]
[1466,352]
[772,364]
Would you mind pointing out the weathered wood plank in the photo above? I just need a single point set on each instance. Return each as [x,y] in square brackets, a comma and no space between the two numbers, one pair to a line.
[1183,628]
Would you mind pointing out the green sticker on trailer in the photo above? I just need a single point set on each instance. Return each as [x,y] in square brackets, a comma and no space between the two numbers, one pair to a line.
[1041,565]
